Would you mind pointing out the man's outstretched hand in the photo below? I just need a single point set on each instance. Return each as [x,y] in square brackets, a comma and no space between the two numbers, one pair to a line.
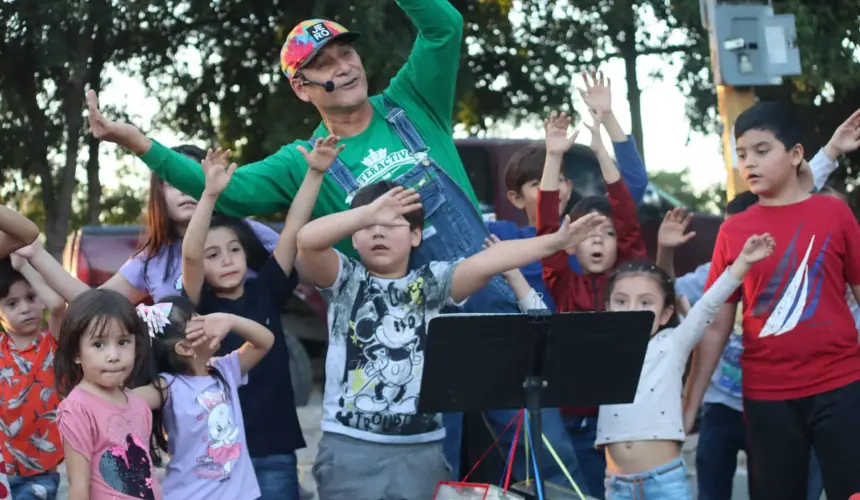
[122,134]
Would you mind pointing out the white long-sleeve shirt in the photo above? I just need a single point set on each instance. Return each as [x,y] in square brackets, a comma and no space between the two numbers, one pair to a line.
[656,411]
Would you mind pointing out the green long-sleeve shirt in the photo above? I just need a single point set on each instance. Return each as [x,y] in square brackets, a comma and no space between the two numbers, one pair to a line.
[424,88]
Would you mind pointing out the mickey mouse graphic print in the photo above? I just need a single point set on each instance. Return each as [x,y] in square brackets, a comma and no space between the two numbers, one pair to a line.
[377,336]
[799,334]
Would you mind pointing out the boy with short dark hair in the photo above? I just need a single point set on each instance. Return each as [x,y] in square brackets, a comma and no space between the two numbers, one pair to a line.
[801,359]
[378,315]
[32,447]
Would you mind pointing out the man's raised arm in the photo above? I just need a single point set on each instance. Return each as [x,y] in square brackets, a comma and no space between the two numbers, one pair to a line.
[259,188]
[430,73]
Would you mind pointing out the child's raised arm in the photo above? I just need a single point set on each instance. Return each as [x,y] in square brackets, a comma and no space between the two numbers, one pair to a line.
[317,239]
[671,235]
[688,333]
[556,129]
[527,297]
[475,272]
[16,231]
[319,160]
[218,175]
[214,327]
[56,305]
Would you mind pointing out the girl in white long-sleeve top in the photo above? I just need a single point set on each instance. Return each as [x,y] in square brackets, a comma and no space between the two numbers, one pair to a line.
[642,440]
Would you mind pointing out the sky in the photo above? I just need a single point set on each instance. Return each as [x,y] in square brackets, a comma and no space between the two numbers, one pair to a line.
[666,128]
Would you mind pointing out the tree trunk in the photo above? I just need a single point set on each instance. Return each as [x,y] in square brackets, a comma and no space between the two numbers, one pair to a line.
[57,226]
[99,53]
[627,48]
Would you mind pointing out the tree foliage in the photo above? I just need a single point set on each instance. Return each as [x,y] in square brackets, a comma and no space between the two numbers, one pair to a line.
[50,51]
[828,36]
[237,95]
[678,185]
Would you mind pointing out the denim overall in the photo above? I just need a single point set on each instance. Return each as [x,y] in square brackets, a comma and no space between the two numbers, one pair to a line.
[453,229]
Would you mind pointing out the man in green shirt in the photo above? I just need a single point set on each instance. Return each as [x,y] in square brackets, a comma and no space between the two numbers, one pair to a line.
[424,88]
[402,134]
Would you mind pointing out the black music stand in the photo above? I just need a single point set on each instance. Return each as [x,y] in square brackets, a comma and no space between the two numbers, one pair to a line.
[483,362]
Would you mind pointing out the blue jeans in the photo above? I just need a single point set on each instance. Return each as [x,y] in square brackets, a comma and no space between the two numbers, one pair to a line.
[667,482]
[722,434]
[39,487]
[278,477]
[583,434]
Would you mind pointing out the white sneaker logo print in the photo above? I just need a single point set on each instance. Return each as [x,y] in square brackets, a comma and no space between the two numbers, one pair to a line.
[784,318]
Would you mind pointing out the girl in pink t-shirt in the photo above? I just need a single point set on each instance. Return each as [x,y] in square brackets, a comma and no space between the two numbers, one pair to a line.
[105,428]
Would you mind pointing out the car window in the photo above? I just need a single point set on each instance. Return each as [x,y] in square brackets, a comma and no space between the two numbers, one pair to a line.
[479,167]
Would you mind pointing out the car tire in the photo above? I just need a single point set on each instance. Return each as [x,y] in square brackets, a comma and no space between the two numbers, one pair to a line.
[301,372]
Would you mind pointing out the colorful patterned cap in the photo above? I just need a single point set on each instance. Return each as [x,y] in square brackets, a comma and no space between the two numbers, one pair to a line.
[307,39]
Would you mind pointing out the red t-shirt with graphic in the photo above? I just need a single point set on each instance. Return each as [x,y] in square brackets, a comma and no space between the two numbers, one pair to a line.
[798,333]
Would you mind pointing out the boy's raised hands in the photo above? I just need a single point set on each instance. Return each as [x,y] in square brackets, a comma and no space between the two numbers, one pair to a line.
[389,209]
[573,233]
[596,140]
[324,153]
[217,171]
[846,138]
[596,93]
[672,233]
[557,128]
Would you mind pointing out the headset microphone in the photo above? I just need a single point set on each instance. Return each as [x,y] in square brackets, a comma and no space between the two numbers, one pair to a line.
[328,86]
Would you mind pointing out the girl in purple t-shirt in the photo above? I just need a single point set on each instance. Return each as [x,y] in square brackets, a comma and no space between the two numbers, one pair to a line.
[198,395]
[156,269]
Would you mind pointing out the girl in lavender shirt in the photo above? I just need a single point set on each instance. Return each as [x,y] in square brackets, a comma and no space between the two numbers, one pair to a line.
[198,398]
[155,270]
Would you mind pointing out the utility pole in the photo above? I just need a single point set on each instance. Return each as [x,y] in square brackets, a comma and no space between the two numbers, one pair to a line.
[731,102]
[750,46]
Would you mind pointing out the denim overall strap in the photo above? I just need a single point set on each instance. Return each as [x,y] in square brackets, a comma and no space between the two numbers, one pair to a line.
[341,175]
[404,128]
[453,227]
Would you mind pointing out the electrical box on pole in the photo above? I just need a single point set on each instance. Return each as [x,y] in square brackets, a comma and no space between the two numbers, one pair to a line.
[753,46]
[750,46]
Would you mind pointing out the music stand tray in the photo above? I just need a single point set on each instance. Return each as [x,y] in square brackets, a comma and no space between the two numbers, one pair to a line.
[483,362]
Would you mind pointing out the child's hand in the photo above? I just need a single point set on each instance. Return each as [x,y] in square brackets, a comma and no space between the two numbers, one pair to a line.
[218,173]
[556,128]
[211,328]
[757,248]
[594,128]
[596,94]
[489,242]
[846,138]
[672,229]
[573,233]
[28,251]
[17,261]
[388,209]
[324,153]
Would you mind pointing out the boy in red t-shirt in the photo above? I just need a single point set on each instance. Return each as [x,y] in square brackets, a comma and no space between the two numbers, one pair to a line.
[31,446]
[801,359]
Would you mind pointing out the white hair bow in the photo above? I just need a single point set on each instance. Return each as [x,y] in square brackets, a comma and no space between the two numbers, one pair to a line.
[155,317]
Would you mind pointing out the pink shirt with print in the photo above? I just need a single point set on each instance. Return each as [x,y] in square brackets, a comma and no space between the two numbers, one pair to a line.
[115,440]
